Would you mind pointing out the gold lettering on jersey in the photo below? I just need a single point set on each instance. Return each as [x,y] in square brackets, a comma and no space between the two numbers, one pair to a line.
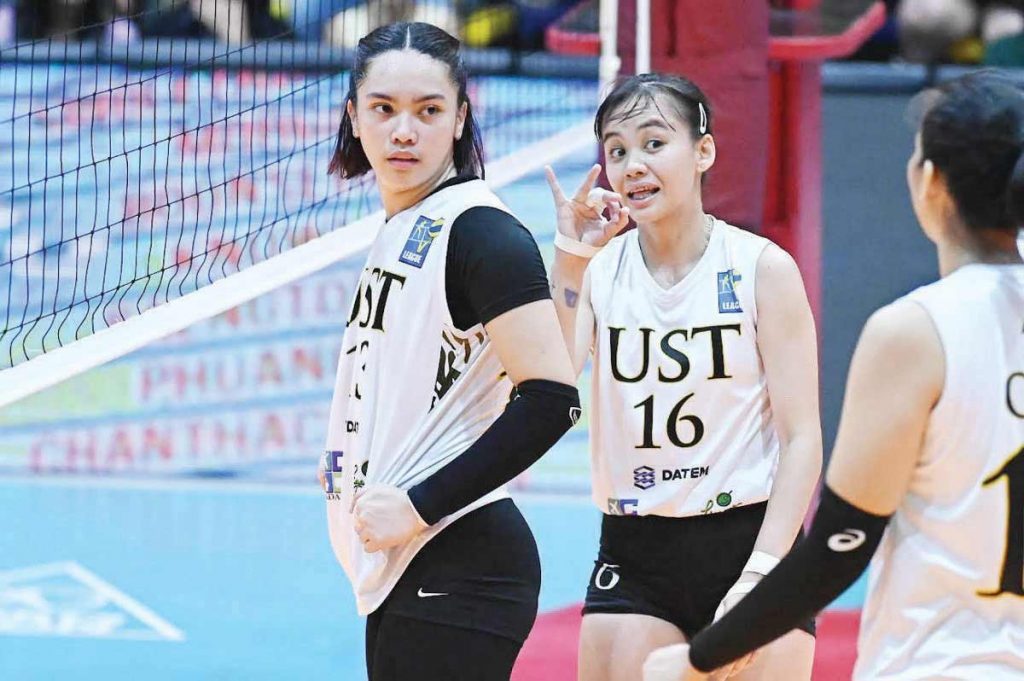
[1015,394]
[368,307]
[453,360]
[371,298]
[614,335]
[359,350]
[1011,573]
[673,364]
[717,346]
[676,355]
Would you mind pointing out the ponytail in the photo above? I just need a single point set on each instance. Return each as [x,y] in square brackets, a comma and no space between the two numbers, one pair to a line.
[973,131]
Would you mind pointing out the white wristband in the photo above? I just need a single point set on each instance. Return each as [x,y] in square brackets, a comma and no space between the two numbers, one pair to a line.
[741,588]
[761,563]
[577,248]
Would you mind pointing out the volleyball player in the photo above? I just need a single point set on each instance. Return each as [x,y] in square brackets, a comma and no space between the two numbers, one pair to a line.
[705,437]
[453,378]
[928,465]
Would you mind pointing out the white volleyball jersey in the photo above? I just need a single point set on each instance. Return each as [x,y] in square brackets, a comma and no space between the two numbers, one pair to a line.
[681,424]
[412,390]
[945,593]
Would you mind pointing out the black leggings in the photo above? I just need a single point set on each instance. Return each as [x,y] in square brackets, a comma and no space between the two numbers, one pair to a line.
[405,649]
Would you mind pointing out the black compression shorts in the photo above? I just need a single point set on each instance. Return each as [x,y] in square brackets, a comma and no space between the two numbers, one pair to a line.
[675,569]
[469,595]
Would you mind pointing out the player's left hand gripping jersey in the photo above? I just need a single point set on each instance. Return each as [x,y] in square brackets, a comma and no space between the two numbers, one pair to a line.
[412,391]
[681,423]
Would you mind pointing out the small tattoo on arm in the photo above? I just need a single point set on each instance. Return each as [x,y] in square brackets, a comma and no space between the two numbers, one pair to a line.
[571,297]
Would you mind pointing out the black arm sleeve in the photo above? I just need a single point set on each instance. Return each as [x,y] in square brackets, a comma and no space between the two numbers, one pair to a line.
[538,416]
[493,266]
[837,549]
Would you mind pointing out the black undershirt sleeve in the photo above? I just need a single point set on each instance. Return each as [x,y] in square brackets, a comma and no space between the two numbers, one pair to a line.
[493,266]
[838,547]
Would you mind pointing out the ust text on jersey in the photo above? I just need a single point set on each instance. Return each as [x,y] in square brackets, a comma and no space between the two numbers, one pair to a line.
[678,369]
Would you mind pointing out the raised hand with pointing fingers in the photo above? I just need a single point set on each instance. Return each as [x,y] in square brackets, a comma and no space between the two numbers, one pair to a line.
[591,216]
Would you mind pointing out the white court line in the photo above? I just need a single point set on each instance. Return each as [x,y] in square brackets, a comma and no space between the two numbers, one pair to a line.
[164,485]
[126,602]
[193,485]
[35,572]
[122,636]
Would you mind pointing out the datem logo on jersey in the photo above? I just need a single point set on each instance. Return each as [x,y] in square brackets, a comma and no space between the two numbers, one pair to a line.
[727,300]
[418,244]
[643,477]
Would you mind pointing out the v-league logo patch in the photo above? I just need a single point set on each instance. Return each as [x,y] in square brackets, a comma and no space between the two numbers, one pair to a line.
[727,300]
[424,231]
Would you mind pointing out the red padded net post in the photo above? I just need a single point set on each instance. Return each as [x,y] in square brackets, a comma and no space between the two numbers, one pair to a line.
[723,47]
[760,64]
[802,38]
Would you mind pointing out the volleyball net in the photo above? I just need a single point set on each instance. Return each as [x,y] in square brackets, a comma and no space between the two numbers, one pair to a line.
[149,181]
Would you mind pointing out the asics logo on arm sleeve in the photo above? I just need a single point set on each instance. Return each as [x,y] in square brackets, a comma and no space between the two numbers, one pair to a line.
[847,540]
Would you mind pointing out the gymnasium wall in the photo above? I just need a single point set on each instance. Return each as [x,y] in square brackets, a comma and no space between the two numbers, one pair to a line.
[872,247]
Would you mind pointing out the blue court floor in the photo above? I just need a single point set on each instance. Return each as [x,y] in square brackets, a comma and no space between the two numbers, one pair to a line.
[202,580]
[206,580]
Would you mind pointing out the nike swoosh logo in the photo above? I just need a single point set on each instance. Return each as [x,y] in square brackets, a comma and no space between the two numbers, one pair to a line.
[428,594]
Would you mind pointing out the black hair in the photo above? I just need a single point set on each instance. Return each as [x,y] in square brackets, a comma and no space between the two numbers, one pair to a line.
[349,158]
[972,130]
[630,96]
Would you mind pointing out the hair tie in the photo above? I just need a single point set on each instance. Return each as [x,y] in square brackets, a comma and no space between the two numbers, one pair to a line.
[703,127]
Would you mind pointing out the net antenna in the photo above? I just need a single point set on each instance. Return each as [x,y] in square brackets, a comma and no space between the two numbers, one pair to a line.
[608,28]
[643,36]
[53,309]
